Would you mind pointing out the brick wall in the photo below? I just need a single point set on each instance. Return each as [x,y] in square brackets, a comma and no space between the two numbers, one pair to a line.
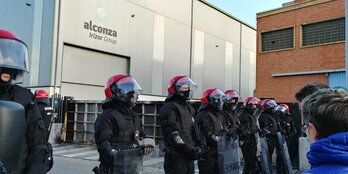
[325,57]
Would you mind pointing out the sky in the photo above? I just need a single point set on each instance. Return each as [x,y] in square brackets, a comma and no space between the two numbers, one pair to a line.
[245,10]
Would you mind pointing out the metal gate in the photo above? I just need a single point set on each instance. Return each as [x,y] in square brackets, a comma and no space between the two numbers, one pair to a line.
[80,115]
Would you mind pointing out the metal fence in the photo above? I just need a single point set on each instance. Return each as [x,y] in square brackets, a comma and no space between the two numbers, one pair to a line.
[80,115]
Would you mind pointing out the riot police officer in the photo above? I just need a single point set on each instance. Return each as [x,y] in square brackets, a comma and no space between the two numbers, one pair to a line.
[180,134]
[269,126]
[287,124]
[118,128]
[13,64]
[248,140]
[230,112]
[43,103]
[210,121]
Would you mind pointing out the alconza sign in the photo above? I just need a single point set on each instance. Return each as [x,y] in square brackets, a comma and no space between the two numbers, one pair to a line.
[97,32]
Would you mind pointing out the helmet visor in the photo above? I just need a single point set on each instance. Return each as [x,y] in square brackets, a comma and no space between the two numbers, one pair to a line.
[129,84]
[270,104]
[13,54]
[217,96]
[186,82]
[232,94]
[282,109]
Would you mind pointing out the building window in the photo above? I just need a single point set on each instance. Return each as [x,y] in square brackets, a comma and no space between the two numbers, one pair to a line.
[277,40]
[323,32]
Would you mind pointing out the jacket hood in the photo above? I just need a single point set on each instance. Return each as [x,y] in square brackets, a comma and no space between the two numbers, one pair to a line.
[329,150]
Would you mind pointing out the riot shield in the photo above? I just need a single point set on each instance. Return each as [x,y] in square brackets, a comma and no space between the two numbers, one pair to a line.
[12,124]
[128,161]
[265,160]
[284,153]
[228,154]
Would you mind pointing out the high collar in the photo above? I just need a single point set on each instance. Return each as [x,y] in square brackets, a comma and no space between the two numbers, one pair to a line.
[329,150]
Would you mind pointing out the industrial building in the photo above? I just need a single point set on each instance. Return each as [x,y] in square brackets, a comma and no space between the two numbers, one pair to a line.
[301,42]
[76,45]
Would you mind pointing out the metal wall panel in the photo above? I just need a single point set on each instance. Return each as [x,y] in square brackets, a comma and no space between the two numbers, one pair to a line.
[158,54]
[44,78]
[215,23]
[141,46]
[80,67]
[198,61]
[18,17]
[214,63]
[179,10]
[337,79]
[236,67]
[177,52]
[248,73]
[248,38]
[228,65]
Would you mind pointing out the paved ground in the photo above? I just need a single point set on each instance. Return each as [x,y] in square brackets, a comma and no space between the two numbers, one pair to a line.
[73,158]
[76,159]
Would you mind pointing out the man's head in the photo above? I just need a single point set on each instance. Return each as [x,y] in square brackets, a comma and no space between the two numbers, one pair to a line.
[13,56]
[325,113]
[212,97]
[181,86]
[252,103]
[123,88]
[232,98]
[268,104]
[308,90]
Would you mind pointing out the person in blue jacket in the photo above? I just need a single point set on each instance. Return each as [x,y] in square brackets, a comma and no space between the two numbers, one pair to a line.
[325,114]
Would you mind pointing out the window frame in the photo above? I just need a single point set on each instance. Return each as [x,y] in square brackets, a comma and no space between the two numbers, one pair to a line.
[320,44]
[277,29]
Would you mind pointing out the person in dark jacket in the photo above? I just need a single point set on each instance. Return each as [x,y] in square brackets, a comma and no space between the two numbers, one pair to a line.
[325,114]
[13,64]
[118,129]
[248,140]
[211,124]
[180,134]
[43,103]
[230,112]
[287,124]
[269,125]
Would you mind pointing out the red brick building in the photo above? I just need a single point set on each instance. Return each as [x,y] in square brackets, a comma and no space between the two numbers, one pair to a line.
[301,42]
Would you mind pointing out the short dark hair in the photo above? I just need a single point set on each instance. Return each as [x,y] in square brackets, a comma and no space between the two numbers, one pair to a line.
[327,110]
[308,90]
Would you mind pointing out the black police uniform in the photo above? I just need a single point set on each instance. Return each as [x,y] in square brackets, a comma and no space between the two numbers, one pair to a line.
[178,115]
[46,113]
[248,140]
[288,125]
[210,122]
[269,125]
[34,151]
[231,120]
[118,127]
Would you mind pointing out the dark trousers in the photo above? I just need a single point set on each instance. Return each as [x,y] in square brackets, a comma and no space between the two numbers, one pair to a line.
[178,164]
[251,163]
[273,145]
[208,164]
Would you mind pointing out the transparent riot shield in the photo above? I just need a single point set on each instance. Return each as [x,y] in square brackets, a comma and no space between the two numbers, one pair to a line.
[228,154]
[128,161]
[265,161]
[284,154]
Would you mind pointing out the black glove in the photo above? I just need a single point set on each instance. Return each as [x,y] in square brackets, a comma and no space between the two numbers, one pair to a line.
[213,137]
[107,151]
[198,152]
[265,131]
[254,130]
